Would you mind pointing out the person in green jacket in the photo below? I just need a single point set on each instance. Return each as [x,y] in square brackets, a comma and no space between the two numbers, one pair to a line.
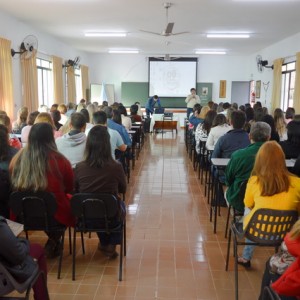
[241,164]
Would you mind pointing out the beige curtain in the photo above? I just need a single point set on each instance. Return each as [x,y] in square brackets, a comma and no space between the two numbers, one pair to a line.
[58,89]
[296,97]
[85,80]
[276,91]
[71,85]
[30,82]
[6,81]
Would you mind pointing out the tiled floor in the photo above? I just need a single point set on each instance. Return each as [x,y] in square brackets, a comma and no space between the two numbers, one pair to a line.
[172,252]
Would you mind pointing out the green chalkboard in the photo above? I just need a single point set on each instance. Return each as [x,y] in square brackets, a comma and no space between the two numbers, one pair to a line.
[138,91]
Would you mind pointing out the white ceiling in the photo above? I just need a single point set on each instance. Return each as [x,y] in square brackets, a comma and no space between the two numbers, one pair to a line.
[267,21]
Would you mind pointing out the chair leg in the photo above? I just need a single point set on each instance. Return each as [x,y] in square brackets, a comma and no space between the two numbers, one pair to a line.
[82,242]
[228,250]
[124,238]
[236,275]
[227,221]
[121,257]
[70,241]
[61,254]
[74,254]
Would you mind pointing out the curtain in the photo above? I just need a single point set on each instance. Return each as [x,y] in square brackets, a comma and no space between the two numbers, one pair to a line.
[276,90]
[297,85]
[85,81]
[30,82]
[71,84]
[58,90]
[6,80]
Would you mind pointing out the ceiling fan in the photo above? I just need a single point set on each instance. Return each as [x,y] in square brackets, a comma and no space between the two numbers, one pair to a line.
[168,31]
[261,64]
[27,47]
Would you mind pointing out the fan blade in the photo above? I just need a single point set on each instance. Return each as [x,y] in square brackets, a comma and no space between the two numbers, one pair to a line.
[169,28]
[178,33]
[151,32]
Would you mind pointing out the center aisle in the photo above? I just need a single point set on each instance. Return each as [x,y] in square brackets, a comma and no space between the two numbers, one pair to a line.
[172,252]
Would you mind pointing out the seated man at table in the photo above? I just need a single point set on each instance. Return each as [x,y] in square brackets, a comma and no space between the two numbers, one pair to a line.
[242,162]
[234,139]
[72,144]
[115,126]
[116,141]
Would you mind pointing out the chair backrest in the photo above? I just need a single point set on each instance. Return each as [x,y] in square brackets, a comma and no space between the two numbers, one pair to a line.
[88,206]
[269,294]
[269,226]
[9,284]
[168,116]
[33,209]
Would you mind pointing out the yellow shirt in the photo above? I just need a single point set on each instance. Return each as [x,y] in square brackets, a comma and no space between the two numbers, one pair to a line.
[289,200]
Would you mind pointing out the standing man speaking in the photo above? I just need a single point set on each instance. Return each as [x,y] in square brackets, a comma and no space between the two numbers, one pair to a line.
[191,100]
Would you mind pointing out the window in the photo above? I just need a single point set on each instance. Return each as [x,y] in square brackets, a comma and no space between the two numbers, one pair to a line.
[45,82]
[288,85]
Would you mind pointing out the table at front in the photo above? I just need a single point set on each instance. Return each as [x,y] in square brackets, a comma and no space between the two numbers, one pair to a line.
[160,117]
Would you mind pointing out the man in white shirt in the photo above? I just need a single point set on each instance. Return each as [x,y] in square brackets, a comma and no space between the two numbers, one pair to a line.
[191,100]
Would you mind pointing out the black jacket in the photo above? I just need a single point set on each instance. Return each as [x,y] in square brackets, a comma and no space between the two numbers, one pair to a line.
[14,253]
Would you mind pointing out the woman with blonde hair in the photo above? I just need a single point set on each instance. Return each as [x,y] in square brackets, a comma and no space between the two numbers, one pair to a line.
[271,186]
[280,124]
[46,118]
[22,115]
[49,171]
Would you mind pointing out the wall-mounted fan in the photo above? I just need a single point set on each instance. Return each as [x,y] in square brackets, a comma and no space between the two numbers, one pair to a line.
[72,63]
[27,47]
[261,64]
[168,31]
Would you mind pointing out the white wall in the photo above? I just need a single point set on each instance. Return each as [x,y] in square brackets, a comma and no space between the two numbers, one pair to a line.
[16,31]
[115,69]
[118,68]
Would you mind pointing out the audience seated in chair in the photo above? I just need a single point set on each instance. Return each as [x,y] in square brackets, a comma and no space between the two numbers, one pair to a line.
[40,167]
[18,124]
[241,163]
[72,144]
[270,186]
[203,129]
[234,139]
[116,141]
[13,139]
[112,124]
[100,173]
[219,128]
[291,147]
[282,270]
[20,259]
[135,117]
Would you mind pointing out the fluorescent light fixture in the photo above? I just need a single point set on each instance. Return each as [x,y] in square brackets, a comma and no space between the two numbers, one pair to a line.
[210,52]
[123,51]
[228,35]
[105,34]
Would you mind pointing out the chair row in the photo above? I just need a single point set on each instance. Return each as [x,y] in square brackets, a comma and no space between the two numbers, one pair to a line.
[93,212]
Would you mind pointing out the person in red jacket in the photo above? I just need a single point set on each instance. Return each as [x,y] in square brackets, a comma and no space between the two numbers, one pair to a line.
[40,167]
[283,268]
[289,283]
